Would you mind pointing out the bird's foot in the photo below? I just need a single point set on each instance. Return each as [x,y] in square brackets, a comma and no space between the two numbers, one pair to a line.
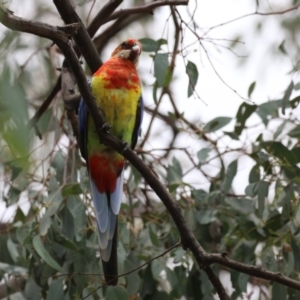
[105,127]
[125,146]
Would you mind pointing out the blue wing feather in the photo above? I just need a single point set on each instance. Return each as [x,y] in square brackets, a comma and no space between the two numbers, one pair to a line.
[82,116]
[138,122]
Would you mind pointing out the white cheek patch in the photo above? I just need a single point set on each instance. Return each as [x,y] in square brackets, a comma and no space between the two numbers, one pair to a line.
[124,53]
[136,48]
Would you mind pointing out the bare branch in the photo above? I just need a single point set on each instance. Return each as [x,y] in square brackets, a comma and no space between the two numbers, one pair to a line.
[102,16]
[147,8]
[138,268]
[68,82]
[255,271]
[280,12]
[102,39]
[37,28]
[82,38]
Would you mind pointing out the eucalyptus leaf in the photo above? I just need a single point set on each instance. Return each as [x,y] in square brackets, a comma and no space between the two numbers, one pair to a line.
[161,65]
[149,45]
[203,154]
[56,290]
[229,176]
[287,95]
[251,88]
[216,124]
[192,72]
[244,112]
[116,293]
[44,254]
[295,132]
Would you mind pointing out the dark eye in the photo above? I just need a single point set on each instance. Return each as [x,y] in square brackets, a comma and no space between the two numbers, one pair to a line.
[124,44]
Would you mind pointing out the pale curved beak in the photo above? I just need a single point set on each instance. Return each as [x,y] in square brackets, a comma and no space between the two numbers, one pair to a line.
[136,48]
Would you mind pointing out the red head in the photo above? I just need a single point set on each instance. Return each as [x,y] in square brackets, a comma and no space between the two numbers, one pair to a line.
[129,49]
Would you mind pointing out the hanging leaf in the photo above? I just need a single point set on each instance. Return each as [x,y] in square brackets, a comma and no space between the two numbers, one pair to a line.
[251,88]
[161,65]
[179,253]
[295,102]
[279,150]
[254,174]
[229,176]
[55,199]
[56,290]
[203,154]
[216,124]
[206,216]
[287,95]
[232,135]
[242,205]
[262,192]
[268,110]
[174,175]
[71,189]
[251,189]
[44,254]
[279,129]
[116,293]
[278,291]
[282,47]
[77,208]
[157,267]
[149,45]
[244,112]
[192,72]
[295,132]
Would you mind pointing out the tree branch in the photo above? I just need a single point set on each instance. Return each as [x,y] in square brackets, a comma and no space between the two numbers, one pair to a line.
[102,39]
[102,16]
[272,13]
[82,38]
[255,271]
[37,28]
[147,8]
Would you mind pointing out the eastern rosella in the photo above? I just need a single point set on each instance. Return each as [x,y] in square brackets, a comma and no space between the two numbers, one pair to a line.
[117,91]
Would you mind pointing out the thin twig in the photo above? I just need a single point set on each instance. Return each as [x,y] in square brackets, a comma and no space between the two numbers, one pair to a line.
[135,269]
[147,8]
[280,12]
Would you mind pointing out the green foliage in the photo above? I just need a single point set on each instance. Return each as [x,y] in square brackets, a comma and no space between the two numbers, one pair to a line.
[251,88]
[192,72]
[161,65]
[150,45]
[216,124]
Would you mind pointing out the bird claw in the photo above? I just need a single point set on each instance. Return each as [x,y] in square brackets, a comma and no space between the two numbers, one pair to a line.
[125,146]
[105,127]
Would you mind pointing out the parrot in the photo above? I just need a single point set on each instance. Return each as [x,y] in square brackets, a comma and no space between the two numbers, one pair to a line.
[117,91]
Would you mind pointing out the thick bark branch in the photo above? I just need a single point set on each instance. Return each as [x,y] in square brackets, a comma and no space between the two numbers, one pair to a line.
[254,271]
[82,37]
[37,28]
[103,15]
